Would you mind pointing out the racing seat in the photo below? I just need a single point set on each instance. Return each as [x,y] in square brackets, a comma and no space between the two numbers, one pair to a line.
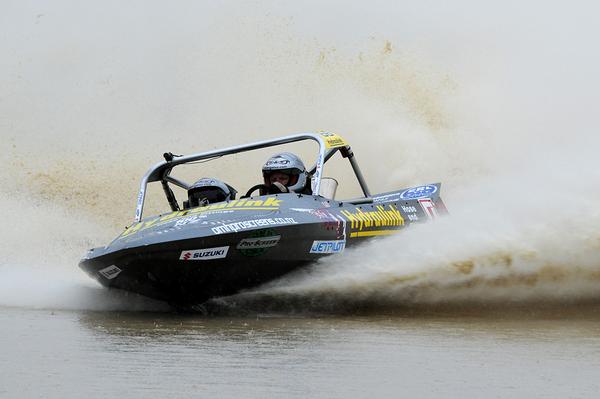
[328,187]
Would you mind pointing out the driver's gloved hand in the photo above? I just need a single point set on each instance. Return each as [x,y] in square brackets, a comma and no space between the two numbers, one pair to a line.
[278,188]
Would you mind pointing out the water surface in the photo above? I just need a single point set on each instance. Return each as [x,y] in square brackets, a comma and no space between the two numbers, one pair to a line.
[155,355]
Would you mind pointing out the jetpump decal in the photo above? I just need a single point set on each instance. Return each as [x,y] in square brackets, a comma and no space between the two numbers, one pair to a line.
[245,204]
[338,224]
[327,247]
[375,222]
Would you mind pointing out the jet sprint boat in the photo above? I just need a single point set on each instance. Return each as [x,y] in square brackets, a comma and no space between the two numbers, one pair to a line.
[203,250]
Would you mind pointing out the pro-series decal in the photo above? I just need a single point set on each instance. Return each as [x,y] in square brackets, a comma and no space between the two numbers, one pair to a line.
[259,242]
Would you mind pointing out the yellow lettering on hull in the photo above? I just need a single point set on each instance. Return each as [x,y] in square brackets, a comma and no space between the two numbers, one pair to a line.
[373,233]
[368,220]
[268,204]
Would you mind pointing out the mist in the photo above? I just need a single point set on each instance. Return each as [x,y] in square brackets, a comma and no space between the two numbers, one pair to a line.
[496,101]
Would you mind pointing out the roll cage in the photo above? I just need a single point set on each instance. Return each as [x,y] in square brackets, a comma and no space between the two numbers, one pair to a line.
[329,144]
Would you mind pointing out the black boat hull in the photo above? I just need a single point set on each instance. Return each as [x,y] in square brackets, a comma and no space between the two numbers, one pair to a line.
[187,257]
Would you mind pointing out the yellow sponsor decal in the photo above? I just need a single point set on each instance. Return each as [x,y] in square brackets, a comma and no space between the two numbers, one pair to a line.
[373,233]
[369,223]
[332,140]
[245,204]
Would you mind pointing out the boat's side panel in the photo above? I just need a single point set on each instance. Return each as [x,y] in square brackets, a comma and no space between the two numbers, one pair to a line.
[187,257]
[190,271]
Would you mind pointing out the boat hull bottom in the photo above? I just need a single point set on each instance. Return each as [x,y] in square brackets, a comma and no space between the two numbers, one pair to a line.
[183,286]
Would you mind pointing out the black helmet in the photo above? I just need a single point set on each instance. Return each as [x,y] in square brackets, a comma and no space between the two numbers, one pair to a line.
[209,191]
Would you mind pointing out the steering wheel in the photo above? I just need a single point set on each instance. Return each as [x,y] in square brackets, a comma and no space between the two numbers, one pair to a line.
[262,187]
[275,188]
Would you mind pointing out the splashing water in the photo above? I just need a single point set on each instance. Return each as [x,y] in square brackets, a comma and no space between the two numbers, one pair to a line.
[503,245]
[518,168]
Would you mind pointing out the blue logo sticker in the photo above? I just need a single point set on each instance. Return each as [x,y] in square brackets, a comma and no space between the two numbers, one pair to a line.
[327,247]
[418,192]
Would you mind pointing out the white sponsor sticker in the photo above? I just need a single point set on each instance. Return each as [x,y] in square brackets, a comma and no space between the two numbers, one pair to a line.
[387,198]
[204,254]
[306,210]
[258,242]
[110,272]
[250,224]
[327,247]
[190,220]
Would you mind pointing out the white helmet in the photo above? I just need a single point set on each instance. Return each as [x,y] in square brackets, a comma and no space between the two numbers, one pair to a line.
[209,191]
[291,165]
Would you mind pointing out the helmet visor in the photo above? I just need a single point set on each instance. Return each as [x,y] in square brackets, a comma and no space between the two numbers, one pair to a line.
[206,196]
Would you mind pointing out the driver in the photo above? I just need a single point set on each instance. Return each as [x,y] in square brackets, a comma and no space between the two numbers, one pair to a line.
[285,172]
[209,191]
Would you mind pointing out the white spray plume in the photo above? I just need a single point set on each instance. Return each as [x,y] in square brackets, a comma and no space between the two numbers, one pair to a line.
[496,104]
